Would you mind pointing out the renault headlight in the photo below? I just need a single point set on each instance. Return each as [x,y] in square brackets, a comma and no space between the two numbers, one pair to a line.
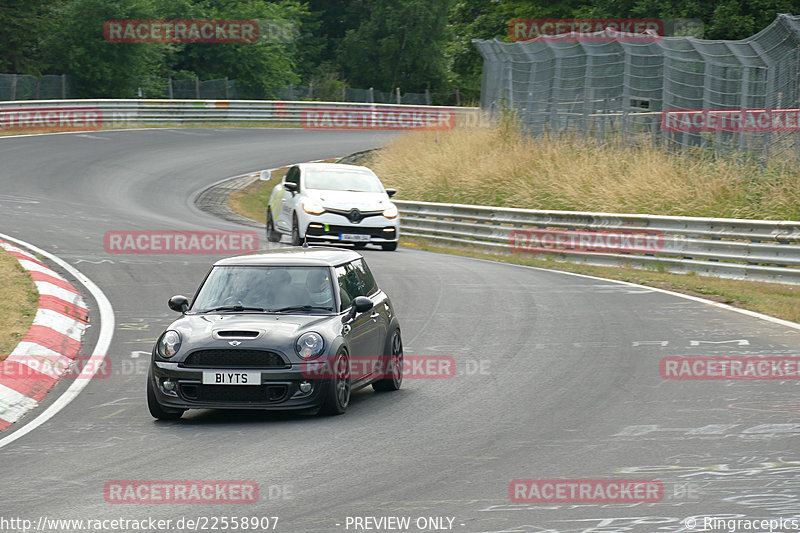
[390,212]
[312,208]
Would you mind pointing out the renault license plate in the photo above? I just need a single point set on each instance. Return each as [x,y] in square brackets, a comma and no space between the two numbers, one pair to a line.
[355,237]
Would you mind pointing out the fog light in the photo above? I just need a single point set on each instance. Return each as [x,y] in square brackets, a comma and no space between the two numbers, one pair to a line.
[169,386]
[305,386]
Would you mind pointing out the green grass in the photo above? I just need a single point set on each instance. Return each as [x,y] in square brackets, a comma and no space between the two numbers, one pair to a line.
[499,166]
[18,305]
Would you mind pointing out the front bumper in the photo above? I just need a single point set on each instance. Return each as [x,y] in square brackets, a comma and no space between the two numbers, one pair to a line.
[279,389]
[334,232]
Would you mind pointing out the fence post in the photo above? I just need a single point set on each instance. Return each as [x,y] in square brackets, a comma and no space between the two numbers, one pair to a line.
[63,86]
[14,87]
[197,88]
[399,101]
[311,90]
[743,106]
[226,88]
[626,97]
[371,96]
[458,97]
[38,85]
[344,93]
[170,94]
[427,97]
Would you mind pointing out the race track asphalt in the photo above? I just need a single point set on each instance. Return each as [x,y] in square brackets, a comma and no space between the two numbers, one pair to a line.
[558,375]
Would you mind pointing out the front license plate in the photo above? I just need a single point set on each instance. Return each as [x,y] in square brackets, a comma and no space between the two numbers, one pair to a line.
[357,237]
[231,378]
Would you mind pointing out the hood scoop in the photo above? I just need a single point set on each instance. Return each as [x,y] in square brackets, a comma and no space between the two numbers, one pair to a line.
[236,334]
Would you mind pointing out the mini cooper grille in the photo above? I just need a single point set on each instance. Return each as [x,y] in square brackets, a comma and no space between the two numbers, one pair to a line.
[235,393]
[234,359]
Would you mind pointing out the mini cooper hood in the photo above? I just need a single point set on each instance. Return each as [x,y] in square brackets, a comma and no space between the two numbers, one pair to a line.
[271,328]
[346,200]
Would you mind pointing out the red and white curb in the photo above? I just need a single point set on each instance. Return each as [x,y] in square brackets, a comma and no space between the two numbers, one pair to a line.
[48,351]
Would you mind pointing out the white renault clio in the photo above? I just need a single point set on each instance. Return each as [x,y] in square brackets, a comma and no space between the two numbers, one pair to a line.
[334,203]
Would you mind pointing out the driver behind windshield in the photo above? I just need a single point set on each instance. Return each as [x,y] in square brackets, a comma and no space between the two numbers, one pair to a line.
[318,285]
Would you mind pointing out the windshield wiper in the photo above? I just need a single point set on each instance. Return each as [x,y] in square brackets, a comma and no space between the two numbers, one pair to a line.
[302,308]
[232,308]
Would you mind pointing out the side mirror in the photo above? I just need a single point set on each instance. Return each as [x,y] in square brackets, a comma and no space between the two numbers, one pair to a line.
[361,304]
[265,175]
[179,303]
[391,192]
[291,187]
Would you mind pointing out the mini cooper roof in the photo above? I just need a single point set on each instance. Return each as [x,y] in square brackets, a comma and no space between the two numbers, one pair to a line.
[317,256]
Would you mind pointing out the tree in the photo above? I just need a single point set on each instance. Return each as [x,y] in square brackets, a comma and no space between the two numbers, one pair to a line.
[101,69]
[262,68]
[22,25]
[397,44]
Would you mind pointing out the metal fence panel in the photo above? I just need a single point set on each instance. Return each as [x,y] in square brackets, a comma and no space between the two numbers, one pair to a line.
[622,85]
[760,250]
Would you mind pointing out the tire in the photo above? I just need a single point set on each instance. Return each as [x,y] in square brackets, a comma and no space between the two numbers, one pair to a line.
[389,246]
[296,240]
[272,235]
[156,409]
[337,395]
[394,356]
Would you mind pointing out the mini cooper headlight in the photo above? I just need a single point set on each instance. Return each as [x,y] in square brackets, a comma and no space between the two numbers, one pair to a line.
[309,345]
[312,208]
[169,344]
[390,212]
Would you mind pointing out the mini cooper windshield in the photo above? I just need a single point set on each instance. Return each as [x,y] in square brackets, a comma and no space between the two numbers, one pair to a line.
[265,289]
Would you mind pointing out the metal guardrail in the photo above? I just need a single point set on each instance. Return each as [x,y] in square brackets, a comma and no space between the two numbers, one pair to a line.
[758,250]
[341,115]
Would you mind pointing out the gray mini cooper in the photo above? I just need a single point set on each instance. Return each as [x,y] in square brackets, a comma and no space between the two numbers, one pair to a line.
[287,329]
